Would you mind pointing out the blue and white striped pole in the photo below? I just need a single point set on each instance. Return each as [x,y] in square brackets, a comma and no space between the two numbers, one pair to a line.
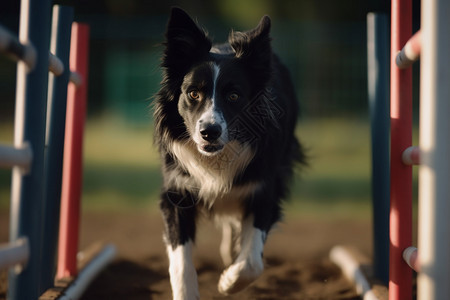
[56,120]
[27,191]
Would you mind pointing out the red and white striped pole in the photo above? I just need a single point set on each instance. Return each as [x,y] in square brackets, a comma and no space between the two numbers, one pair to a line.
[73,158]
[400,274]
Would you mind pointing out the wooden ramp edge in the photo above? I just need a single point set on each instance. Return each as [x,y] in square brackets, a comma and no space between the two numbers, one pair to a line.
[90,262]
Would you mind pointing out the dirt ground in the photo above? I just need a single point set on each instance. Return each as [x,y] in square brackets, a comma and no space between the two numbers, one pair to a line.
[296,258]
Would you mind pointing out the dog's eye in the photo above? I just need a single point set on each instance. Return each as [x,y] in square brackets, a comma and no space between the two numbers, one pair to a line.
[233,97]
[194,95]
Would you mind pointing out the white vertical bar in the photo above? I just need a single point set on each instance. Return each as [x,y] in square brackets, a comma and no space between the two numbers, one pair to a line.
[434,176]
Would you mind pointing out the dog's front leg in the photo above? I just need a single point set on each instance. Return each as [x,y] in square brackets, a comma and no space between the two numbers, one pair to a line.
[183,277]
[248,265]
[179,237]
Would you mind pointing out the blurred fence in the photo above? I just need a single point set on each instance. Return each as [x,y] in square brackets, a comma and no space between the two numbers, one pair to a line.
[328,65]
[327,61]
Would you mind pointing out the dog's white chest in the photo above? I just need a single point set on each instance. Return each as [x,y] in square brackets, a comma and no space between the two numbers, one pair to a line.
[214,175]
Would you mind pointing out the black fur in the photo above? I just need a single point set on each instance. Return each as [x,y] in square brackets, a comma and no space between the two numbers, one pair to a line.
[263,119]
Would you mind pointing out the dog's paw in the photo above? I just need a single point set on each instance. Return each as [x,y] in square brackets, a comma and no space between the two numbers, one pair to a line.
[187,290]
[239,275]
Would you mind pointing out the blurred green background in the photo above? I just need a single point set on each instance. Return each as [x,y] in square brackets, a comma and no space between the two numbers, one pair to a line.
[323,44]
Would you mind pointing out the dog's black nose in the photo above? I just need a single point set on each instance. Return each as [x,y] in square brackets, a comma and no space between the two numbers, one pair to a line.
[210,132]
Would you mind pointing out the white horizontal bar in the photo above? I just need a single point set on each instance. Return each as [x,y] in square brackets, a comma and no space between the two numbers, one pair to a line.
[55,65]
[14,254]
[18,51]
[411,257]
[352,270]
[10,45]
[16,157]
[76,78]
[410,52]
[411,156]
[88,273]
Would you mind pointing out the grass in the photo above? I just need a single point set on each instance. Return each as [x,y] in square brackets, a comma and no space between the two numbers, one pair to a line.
[122,171]
[337,181]
[6,137]
[121,166]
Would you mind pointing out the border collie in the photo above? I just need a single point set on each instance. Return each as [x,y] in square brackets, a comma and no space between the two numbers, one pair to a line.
[224,123]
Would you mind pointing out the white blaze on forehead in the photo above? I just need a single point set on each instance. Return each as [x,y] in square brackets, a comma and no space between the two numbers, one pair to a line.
[212,114]
[216,116]
[216,71]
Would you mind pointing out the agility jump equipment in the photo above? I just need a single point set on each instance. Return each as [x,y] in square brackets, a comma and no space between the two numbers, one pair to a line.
[48,133]
[432,257]
[432,261]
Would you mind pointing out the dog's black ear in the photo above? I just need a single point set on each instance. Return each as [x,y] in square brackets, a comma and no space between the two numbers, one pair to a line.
[244,44]
[185,41]
[253,47]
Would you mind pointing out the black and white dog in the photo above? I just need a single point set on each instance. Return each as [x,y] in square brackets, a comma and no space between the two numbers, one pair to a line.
[224,123]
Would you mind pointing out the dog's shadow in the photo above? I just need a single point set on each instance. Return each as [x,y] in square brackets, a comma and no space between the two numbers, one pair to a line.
[127,279]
